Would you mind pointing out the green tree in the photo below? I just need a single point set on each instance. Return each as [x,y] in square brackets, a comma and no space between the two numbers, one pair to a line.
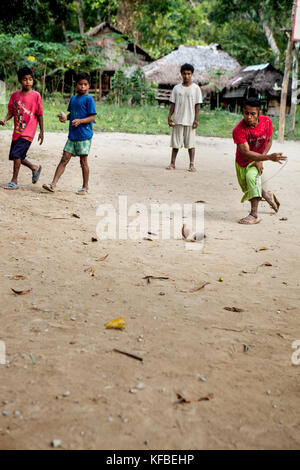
[263,17]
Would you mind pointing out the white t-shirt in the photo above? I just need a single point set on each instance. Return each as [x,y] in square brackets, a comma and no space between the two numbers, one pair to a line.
[185,99]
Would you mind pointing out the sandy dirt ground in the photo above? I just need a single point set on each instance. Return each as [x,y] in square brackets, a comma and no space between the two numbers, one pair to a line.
[64,381]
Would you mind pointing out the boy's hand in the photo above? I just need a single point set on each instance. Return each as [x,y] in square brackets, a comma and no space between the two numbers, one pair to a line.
[41,137]
[259,166]
[277,157]
[2,122]
[62,117]
[76,122]
[195,124]
[171,122]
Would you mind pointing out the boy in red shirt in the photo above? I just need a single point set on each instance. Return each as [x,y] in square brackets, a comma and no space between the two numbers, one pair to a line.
[25,106]
[253,136]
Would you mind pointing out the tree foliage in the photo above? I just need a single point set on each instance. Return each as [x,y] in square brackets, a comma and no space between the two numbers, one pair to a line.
[250,31]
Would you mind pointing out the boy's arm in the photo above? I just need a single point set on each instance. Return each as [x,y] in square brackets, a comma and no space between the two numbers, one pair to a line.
[7,118]
[269,145]
[77,122]
[41,124]
[258,157]
[170,120]
[195,123]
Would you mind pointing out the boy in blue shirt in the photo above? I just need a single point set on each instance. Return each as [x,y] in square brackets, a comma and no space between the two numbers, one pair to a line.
[82,115]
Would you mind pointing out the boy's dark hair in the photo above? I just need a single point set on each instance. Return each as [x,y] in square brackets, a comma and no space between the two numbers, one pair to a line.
[82,76]
[24,71]
[187,67]
[253,102]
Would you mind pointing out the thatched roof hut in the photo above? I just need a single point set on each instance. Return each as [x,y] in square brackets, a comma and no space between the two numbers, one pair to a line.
[207,61]
[119,53]
[213,66]
[263,81]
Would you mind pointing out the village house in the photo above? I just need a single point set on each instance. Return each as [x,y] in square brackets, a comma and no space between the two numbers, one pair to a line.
[262,81]
[119,52]
[213,67]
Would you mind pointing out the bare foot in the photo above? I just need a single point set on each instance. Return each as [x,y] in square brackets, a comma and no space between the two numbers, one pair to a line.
[192,168]
[249,220]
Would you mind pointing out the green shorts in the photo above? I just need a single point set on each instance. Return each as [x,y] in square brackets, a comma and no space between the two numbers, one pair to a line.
[78,147]
[249,180]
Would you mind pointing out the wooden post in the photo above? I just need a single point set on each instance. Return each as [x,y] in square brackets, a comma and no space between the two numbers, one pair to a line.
[285,82]
[100,85]
[284,89]
[294,88]
[44,82]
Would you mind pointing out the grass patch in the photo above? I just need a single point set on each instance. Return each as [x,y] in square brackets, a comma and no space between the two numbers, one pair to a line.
[146,120]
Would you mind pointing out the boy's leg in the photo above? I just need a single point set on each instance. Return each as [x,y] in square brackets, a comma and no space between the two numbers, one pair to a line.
[176,143]
[173,159]
[61,167]
[31,166]
[190,144]
[16,169]
[253,194]
[36,170]
[192,159]
[85,171]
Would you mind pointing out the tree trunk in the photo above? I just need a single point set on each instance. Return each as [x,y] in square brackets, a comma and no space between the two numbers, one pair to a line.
[80,16]
[99,15]
[270,37]
[44,82]
[63,27]
[294,88]
[285,82]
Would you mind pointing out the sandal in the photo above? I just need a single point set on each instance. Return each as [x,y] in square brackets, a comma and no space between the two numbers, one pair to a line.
[82,192]
[35,176]
[11,186]
[248,221]
[49,187]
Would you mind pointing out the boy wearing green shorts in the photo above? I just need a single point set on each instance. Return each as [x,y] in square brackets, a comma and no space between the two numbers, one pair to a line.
[253,137]
[82,113]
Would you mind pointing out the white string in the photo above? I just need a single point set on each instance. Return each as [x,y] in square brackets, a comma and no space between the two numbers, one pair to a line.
[273,176]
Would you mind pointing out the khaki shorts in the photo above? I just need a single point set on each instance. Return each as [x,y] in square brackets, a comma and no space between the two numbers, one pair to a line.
[183,136]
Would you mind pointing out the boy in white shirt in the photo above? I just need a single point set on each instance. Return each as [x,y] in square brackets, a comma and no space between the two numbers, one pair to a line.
[185,104]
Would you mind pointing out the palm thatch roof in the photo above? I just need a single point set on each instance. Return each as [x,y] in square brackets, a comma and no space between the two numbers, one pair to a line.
[119,53]
[262,78]
[211,63]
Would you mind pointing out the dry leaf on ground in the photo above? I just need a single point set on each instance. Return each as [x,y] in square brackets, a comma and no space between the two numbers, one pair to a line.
[103,258]
[208,397]
[21,292]
[183,399]
[195,289]
[118,324]
[233,309]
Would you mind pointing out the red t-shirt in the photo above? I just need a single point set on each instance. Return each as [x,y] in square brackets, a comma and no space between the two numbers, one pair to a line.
[25,107]
[257,137]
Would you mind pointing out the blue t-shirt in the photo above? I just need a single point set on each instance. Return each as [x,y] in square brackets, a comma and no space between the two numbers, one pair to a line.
[81,107]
